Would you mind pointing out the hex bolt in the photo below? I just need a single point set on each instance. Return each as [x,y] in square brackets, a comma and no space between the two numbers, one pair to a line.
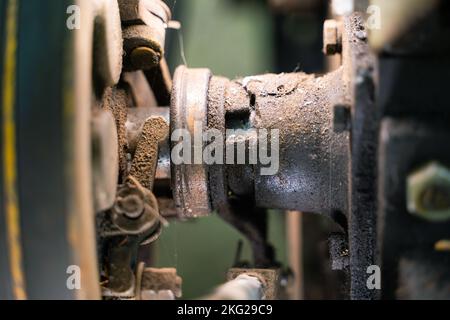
[144,58]
[132,206]
[136,211]
[332,37]
[428,192]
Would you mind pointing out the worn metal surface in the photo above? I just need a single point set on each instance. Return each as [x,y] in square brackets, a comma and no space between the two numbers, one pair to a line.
[312,173]
[108,43]
[154,131]
[313,159]
[116,100]
[239,212]
[135,211]
[144,33]
[339,252]
[52,150]
[142,51]
[133,221]
[141,108]
[189,110]
[143,11]
[137,118]
[359,76]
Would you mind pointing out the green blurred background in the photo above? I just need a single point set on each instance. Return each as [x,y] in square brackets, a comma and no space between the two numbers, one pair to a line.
[232,38]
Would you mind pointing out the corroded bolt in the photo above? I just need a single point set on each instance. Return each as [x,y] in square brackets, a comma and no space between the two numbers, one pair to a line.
[332,37]
[132,206]
[144,58]
[136,211]
[428,192]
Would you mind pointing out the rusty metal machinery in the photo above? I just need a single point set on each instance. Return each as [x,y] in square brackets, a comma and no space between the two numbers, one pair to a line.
[312,154]
[363,144]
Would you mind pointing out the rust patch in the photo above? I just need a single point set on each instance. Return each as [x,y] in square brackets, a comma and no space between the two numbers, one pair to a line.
[117,101]
[145,160]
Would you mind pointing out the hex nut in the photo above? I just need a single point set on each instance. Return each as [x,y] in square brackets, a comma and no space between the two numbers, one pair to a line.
[131,206]
[428,192]
[144,58]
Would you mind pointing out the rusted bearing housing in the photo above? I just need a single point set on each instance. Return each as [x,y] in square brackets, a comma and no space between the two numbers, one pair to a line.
[312,157]
[188,109]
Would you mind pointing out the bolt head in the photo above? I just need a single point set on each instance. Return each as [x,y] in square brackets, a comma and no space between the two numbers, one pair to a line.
[144,58]
[428,192]
[132,206]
